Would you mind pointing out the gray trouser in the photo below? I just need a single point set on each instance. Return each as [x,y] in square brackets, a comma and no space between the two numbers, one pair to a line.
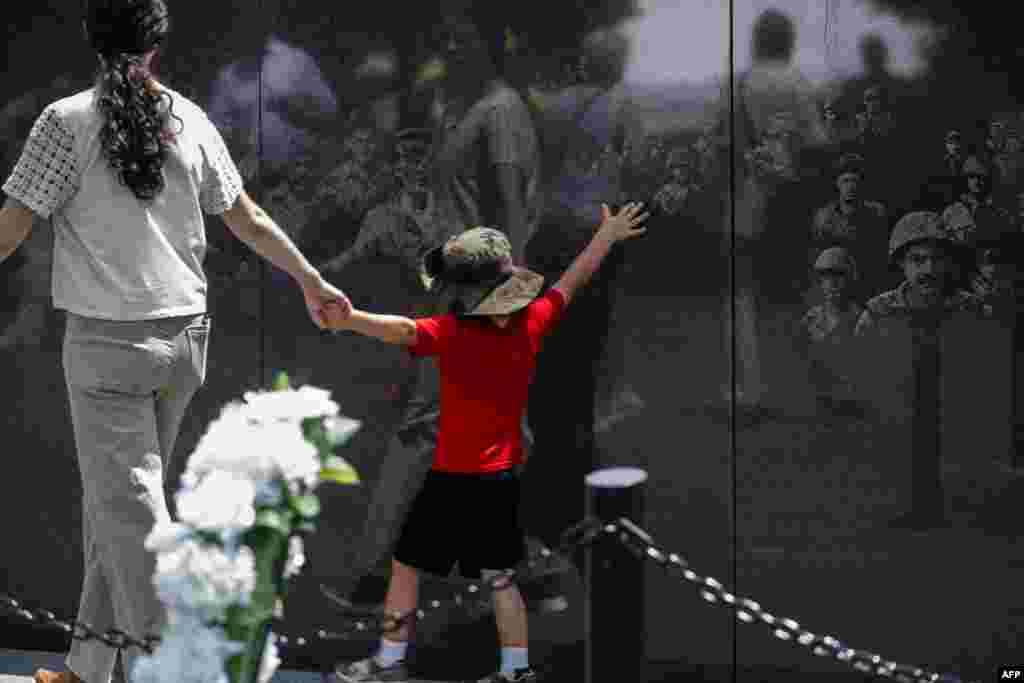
[129,383]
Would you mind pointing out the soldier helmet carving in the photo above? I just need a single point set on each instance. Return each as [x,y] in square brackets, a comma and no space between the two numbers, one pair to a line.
[917,226]
[958,220]
[838,259]
[850,162]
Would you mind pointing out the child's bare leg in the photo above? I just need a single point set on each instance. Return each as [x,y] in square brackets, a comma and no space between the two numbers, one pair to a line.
[510,615]
[402,597]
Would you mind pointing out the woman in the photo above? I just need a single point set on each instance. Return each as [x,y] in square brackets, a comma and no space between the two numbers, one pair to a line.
[122,171]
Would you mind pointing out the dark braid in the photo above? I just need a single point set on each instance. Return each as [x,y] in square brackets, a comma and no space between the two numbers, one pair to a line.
[134,137]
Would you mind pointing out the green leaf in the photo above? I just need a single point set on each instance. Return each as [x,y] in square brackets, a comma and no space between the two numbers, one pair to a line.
[274,519]
[338,472]
[305,526]
[281,382]
[306,506]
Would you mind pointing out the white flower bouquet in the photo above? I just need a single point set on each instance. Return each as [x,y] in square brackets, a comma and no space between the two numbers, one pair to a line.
[248,497]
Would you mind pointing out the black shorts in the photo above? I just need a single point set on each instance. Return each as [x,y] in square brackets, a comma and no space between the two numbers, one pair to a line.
[471,519]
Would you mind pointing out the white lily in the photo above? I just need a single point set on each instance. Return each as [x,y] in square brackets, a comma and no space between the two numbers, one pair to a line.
[220,500]
[290,405]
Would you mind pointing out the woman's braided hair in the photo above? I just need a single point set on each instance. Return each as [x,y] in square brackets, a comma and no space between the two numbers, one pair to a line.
[134,137]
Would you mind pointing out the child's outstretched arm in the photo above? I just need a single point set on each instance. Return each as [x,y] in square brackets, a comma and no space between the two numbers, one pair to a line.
[614,228]
[393,329]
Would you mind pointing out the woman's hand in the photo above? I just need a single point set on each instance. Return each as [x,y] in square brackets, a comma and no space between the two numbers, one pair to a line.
[327,305]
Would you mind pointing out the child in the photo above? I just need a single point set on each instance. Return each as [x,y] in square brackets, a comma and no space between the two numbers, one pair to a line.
[827,328]
[467,510]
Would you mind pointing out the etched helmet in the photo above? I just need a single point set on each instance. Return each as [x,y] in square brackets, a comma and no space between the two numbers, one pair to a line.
[958,221]
[873,92]
[849,163]
[916,226]
[837,259]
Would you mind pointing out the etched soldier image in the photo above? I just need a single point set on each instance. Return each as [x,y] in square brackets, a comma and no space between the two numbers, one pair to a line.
[855,222]
[996,135]
[775,121]
[1003,153]
[944,182]
[671,197]
[853,98]
[838,128]
[986,229]
[931,259]
[486,160]
[826,330]
[875,121]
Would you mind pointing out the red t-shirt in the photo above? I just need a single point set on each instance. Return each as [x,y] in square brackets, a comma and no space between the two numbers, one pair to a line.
[485,373]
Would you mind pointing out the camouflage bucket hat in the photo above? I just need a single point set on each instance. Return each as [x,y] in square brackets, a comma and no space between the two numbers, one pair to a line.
[476,267]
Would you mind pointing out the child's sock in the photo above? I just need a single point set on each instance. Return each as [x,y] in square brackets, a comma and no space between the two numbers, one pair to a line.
[513,658]
[391,651]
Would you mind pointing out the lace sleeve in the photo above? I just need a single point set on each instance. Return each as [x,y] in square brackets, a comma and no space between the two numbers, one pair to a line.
[222,183]
[47,174]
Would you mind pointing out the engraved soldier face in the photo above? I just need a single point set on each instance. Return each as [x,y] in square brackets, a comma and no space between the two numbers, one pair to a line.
[830,114]
[953,147]
[928,267]
[975,183]
[996,130]
[872,103]
[848,185]
[462,45]
[989,262]
[833,284]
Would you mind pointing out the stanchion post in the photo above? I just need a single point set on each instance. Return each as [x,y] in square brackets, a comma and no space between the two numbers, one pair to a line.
[613,582]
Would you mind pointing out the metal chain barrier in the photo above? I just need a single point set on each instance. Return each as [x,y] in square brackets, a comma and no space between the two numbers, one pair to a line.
[751,612]
[114,638]
[370,621]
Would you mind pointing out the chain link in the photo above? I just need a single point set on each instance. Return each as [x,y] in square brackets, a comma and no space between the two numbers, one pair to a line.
[114,638]
[750,612]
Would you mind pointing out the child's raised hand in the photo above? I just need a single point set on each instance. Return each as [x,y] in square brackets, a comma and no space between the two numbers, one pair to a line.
[624,224]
